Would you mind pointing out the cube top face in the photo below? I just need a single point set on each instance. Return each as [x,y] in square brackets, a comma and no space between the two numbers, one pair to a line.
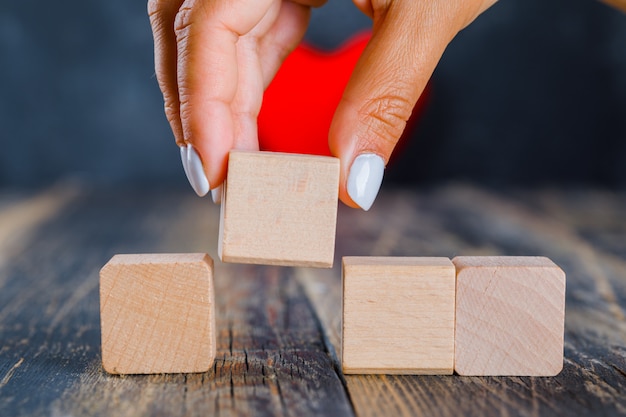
[510,316]
[200,259]
[157,313]
[378,263]
[279,209]
[398,315]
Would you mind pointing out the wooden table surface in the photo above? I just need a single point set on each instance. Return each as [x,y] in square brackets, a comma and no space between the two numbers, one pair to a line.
[278,328]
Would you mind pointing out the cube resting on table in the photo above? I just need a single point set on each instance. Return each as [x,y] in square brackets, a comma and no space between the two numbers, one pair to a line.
[509,316]
[398,315]
[157,313]
[279,209]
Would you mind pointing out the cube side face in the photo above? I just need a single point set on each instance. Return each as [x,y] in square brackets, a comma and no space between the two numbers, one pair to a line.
[510,317]
[398,319]
[280,209]
[157,317]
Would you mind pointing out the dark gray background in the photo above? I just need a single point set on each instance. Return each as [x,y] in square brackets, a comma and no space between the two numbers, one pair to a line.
[534,92]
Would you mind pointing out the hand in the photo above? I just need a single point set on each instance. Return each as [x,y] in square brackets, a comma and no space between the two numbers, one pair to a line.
[408,39]
[214,59]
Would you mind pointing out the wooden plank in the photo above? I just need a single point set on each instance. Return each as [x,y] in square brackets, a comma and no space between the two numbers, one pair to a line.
[596,277]
[271,359]
[21,214]
[49,333]
[279,209]
[462,220]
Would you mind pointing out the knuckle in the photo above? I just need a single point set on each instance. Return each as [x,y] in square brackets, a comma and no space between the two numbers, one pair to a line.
[172,109]
[185,17]
[156,8]
[380,8]
[184,108]
[385,116]
[183,20]
[153,7]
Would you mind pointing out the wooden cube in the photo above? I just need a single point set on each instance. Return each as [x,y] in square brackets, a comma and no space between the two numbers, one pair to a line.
[509,316]
[398,315]
[157,313]
[279,209]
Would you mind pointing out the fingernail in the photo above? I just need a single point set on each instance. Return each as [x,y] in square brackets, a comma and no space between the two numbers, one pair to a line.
[366,175]
[183,157]
[194,171]
[216,195]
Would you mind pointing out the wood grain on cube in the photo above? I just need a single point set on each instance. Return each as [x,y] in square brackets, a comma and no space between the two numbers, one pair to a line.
[279,209]
[509,316]
[157,313]
[398,315]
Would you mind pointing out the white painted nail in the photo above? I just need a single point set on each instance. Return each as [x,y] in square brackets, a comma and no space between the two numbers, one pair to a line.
[216,195]
[183,158]
[365,178]
[195,172]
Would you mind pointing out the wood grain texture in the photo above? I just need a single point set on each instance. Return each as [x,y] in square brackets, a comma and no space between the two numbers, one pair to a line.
[157,313]
[20,216]
[398,315]
[284,324]
[510,314]
[581,230]
[279,209]
[271,358]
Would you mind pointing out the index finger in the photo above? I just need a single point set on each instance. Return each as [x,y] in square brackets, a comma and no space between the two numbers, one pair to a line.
[207,34]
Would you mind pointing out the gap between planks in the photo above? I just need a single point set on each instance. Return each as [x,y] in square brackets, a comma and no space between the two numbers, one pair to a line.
[7,377]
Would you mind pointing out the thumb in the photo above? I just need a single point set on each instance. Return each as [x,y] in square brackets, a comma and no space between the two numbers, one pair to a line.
[408,40]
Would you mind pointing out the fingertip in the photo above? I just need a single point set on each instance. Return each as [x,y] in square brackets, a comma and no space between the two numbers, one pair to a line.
[363,158]
[361,177]
[345,198]
[214,158]
[378,100]
[365,6]
[193,166]
[216,194]
[364,179]
[360,182]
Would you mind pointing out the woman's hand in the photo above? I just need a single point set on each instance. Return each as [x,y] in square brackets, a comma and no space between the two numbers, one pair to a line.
[214,58]
[408,39]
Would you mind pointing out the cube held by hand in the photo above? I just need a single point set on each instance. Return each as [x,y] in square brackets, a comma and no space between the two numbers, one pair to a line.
[279,209]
